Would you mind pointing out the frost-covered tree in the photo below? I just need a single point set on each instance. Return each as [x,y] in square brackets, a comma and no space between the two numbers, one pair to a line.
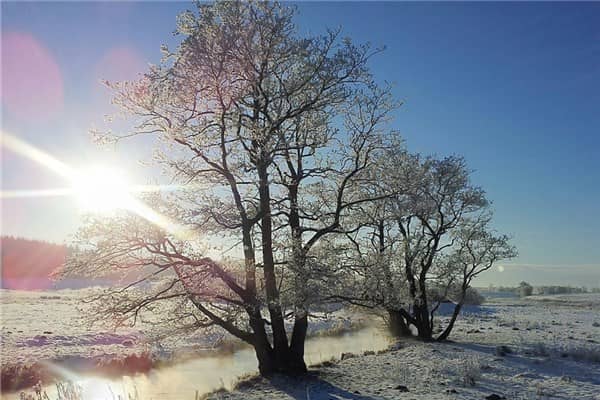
[476,248]
[269,135]
[524,289]
[415,245]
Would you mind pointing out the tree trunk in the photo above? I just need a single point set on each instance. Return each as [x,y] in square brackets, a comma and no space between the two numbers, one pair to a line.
[266,361]
[298,263]
[284,358]
[448,329]
[287,362]
[397,324]
[280,343]
[423,322]
[299,334]
[456,312]
[421,308]
[297,363]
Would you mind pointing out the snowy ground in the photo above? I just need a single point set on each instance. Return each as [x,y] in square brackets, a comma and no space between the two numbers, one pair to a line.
[39,329]
[46,326]
[551,351]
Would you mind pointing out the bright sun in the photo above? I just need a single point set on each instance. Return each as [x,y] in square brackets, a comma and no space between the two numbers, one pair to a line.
[101,189]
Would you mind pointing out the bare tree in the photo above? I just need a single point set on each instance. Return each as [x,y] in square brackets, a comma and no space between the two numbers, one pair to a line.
[415,240]
[270,135]
[476,250]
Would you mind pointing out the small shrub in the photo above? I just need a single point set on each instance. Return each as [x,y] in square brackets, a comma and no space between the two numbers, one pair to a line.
[471,373]
[473,297]
[566,378]
[19,376]
[534,325]
[576,352]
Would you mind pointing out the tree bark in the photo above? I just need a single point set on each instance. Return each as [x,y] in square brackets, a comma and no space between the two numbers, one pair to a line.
[287,362]
[423,323]
[284,360]
[455,313]
[397,324]
[298,262]
[297,343]
[270,364]
[448,329]
[264,354]
[280,342]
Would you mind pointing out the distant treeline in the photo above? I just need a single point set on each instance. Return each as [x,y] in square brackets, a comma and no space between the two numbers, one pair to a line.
[562,290]
[525,289]
[28,264]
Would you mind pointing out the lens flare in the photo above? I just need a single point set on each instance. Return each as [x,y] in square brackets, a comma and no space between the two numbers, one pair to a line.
[32,81]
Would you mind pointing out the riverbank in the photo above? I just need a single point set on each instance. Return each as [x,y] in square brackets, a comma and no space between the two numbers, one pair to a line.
[515,349]
[36,348]
[431,371]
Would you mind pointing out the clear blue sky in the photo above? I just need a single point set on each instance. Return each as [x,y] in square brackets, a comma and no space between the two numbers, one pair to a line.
[514,87]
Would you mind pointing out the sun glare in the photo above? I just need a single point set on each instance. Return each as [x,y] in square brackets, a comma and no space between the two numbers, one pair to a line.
[101,189]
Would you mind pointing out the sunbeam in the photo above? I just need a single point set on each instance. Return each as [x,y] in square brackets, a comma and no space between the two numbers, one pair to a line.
[98,188]
[23,148]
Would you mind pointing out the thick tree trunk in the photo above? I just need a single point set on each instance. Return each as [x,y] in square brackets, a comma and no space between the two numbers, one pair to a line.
[423,323]
[421,308]
[284,358]
[288,363]
[280,343]
[397,324]
[298,263]
[266,361]
[297,343]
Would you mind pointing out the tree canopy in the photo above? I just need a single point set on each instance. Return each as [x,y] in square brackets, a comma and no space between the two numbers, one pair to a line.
[280,150]
[271,136]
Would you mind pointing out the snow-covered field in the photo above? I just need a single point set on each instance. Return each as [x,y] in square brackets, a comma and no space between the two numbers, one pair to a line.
[533,349]
[44,330]
[47,326]
[542,347]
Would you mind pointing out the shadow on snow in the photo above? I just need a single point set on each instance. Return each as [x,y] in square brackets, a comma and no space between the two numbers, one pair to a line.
[313,387]
[550,366]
